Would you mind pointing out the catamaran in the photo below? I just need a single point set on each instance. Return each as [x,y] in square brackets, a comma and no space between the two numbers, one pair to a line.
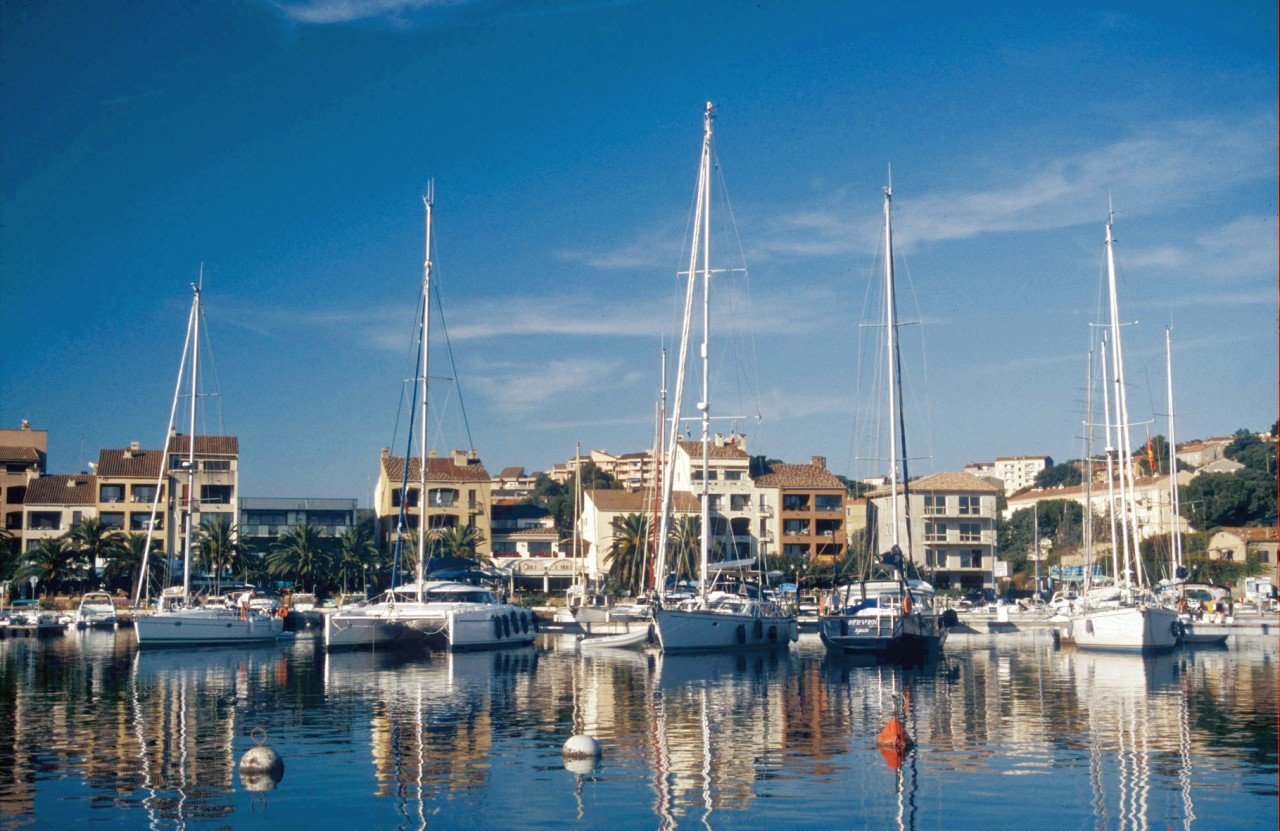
[713,620]
[178,620]
[433,613]
[1127,616]
[893,618]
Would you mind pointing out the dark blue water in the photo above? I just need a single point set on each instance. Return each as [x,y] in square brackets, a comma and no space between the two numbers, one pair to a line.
[1009,732]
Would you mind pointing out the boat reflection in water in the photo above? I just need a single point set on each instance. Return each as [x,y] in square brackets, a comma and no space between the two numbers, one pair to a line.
[105,736]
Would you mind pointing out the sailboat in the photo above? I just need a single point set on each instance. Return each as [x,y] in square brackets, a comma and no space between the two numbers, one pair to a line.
[177,619]
[426,612]
[711,620]
[1127,617]
[894,618]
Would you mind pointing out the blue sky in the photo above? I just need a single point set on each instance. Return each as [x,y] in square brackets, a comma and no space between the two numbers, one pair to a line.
[286,145]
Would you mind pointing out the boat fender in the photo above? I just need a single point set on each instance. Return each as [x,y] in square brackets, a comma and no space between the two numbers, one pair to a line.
[497,627]
[536,623]
[773,634]
[524,623]
[844,628]
[514,617]
[795,631]
[757,629]
[1177,629]
[1088,626]
[1071,628]
[742,633]
[506,627]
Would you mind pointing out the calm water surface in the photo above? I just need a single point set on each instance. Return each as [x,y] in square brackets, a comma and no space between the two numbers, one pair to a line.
[1010,731]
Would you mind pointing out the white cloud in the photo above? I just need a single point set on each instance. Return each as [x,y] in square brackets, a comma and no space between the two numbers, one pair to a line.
[520,388]
[1242,250]
[349,11]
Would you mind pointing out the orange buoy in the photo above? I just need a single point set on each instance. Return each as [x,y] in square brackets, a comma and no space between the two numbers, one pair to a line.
[893,735]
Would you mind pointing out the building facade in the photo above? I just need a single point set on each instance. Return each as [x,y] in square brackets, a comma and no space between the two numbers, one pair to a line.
[55,504]
[952,533]
[736,508]
[801,510]
[263,519]
[1152,497]
[458,494]
[23,458]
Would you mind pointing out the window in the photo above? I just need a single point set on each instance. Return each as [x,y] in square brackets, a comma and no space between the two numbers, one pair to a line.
[76,518]
[112,520]
[733,475]
[713,501]
[970,532]
[739,501]
[442,521]
[697,475]
[935,531]
[970,505]
[216,465]
[794,550]
[215,494]
[931,558]
[828,502]
[935,504]
[111,493]
[413,498]
[795,527]
[16,494]
[440,497]
[45,520]
[139,520]
[971,559]
[144,493]
[795,502]
[13,521]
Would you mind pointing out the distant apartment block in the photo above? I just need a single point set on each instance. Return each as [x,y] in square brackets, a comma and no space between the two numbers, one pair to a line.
[512,485]
[23,457]
[458,494]
[634,471]
[55,504]
[952,531]
[1016,473]
[263,519]
[735,505]
[1153,501]
[1200,452]
[801,510]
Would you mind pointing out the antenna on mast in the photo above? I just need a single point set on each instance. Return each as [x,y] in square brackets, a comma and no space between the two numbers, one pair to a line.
[888,191]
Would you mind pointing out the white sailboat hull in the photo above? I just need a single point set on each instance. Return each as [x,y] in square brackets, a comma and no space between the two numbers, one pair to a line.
[453,626]
[709,630]
[1125,628]
[205,627]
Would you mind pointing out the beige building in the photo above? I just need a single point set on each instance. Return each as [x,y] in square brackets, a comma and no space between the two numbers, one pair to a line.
[1201,452]
[458,494]
[952,532]
[736,505]
[1151,495]
[130,479]
[512,485]
[602,511]
[23,457]
[802,510]
[55,504]
[1233,545]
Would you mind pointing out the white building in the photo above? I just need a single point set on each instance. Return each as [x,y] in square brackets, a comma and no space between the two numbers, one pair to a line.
[1151,495]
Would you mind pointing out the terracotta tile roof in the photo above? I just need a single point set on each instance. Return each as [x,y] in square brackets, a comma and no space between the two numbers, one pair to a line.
[438,470]
[637,502]
[1020,458]
[780,475]
[1265,533]
[947,483]
[130,463]
[642,455]
[147,462]
[19,454]
[718,451]
[511,473]
[63,489]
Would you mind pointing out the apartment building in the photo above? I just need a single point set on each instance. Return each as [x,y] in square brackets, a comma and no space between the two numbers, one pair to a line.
[131,479]
[736,507]
[458,494]
[23,457]
[952,533]
[55,504]
[603,510]
[1152,498]
[801,510]
[263,519]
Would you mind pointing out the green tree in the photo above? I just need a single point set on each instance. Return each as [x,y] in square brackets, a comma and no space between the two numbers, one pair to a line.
[683,553]
[1159,453]
[218,548]
[9,555]
[56,563]
[628,554]
[1060,522]
[301,555]
[93,540]
[458,541]
[355,553]
[1230,499]
[125,559]
[1066,474]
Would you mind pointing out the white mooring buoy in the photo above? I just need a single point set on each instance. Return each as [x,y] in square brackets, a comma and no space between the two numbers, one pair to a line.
[261,768]
[581,747]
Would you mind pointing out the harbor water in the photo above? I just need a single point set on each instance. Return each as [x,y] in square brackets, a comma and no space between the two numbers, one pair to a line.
[1009,731]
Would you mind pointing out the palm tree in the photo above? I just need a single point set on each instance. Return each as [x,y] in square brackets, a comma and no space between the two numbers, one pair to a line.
[125,558]
[355,553]
[54,562]
[686,536]
[627,553]
[219,547]
[300,553]
[9,557]
[458,541]
[93,540]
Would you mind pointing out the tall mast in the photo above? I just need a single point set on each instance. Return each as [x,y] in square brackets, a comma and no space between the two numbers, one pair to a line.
[1087,530]
[1112,505]
[191,450]
[704,544]
[579,572]
[668,477]
[428,201]
[1133,560]
[658,457]
[891,327]
[1175,538]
